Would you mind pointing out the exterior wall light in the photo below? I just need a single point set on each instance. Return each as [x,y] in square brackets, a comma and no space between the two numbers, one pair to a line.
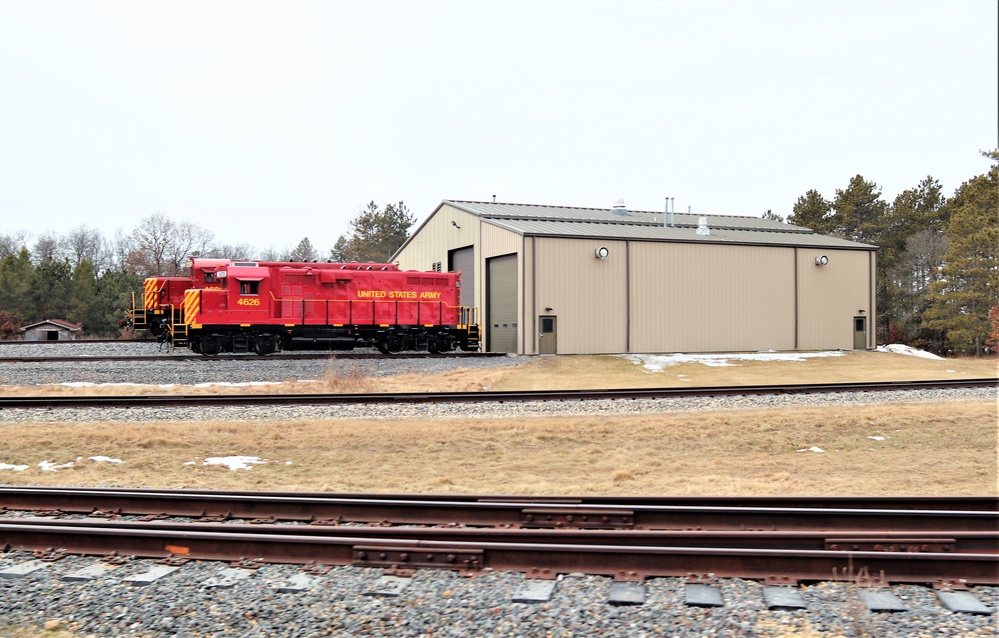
[821,260]
[601,253]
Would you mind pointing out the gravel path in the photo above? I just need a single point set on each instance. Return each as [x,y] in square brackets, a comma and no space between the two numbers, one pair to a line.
[433,603]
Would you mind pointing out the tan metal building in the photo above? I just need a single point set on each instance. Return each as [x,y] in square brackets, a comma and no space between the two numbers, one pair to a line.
[551,279]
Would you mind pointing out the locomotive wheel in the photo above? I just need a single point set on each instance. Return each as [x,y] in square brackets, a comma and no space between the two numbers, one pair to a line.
[442,343]
[211,346]
[265,344]
[390,344]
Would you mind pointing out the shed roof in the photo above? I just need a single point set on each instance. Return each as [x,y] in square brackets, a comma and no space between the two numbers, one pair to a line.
[610,231]
[72,327]
[603,223]
[622,216]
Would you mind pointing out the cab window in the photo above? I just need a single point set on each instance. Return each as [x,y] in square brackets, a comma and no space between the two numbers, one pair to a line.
[249,287]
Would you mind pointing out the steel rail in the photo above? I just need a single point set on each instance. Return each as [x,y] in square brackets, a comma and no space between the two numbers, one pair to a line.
[253,357]
[512,514]
[904,502]
[542,560]
[511,396]
[949,542]
[18,342]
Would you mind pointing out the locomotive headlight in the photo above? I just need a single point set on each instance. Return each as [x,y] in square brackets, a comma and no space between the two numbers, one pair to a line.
[601,253]
[821,260]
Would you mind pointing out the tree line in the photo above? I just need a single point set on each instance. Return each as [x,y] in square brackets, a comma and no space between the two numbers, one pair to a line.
[86,278]
[938,258]
[937,264]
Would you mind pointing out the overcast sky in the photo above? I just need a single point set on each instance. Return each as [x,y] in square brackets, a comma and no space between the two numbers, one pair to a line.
[266,122]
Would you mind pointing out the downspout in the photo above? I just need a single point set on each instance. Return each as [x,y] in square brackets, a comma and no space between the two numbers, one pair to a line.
[523,296]
[627,296]
[534,292]
[796,310]
[872,339]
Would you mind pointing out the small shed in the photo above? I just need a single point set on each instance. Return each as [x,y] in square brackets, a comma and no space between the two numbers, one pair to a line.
[51,330]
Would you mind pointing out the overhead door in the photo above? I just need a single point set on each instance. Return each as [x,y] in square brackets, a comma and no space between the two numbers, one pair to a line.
[501,304]
[463,260]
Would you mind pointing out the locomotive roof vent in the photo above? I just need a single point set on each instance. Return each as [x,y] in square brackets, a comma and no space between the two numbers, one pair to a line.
[619,208]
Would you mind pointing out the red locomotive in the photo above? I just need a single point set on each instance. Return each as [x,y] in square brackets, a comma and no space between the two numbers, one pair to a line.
[265,307]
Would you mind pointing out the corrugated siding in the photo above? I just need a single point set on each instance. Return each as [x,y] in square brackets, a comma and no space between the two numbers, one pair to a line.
[437,237]
[690,298]
[831,296]
[585,293]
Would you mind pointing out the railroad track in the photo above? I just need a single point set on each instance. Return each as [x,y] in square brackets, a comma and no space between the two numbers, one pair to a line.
[197,359]
[49,402]
[629,541]
[966,503]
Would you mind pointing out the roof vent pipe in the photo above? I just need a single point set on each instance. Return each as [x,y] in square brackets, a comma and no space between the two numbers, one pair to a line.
[619,208]
[702,226]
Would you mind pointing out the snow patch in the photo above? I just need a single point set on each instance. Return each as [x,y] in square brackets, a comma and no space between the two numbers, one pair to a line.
[90,384]
[16,468]
[657,362]
[898,348]
[814,448]
[232,462]
[105,459]
[49,466]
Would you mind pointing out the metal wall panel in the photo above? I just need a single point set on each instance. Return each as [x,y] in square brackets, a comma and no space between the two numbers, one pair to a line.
[704,298]
[447,230]
[587,294]
[830,296]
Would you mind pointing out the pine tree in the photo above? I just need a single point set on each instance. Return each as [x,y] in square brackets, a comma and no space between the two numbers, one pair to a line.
[811,211]
[375,234]
[969,285]
[304,251]
[859,213]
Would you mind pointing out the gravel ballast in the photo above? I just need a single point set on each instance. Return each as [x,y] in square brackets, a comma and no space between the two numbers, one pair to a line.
[344,602]
[434,603]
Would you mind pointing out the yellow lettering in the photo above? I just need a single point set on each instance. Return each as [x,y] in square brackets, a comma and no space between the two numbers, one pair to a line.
[430,295]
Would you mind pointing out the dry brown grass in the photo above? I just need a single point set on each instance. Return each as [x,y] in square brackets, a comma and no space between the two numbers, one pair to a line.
[930,449]
[580,372]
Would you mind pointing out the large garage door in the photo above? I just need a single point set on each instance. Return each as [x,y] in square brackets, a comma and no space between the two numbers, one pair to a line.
[501,305]
[463,260]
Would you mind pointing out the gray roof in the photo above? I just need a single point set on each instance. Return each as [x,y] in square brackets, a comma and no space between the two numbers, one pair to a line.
[564,221]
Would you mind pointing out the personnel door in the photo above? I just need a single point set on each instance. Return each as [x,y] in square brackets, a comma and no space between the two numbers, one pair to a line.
[547,337]
[860,333]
